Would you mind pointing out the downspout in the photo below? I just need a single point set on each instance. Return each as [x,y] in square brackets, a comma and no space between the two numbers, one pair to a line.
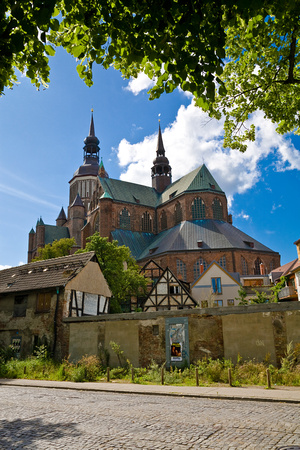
[55,322]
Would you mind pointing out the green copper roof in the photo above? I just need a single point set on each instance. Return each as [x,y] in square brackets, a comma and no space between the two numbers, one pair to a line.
[199,179]
[129,192]
[52,233]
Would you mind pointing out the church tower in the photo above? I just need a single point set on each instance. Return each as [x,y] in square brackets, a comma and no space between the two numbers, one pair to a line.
[161,172]
[84,179]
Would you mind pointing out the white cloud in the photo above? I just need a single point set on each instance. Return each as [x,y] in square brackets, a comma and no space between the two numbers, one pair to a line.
[4,267]
[193,139]
[242,215]
[141,83]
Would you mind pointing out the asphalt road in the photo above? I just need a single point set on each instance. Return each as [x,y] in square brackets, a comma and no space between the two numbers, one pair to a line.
[41,418]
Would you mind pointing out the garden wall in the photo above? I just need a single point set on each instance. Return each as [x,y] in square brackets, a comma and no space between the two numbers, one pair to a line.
[254,331]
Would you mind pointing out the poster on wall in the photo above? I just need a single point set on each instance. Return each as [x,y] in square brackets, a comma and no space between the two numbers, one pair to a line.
[177,338]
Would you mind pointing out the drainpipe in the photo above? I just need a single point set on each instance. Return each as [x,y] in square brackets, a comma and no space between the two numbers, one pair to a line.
[55,321]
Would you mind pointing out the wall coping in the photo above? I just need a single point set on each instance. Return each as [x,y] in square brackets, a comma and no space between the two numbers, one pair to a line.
[220,311]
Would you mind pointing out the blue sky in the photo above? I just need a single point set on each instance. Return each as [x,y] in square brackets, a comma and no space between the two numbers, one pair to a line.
[41,141]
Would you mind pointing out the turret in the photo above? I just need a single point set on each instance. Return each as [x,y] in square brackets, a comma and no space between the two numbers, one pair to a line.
[61,219]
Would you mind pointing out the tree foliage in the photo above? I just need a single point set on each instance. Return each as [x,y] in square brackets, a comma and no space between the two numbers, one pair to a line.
[118,267]
[234,56]
[61,247]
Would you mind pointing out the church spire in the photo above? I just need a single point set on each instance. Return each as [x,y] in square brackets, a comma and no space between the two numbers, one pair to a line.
[91,148]
[161,171]
[160,149]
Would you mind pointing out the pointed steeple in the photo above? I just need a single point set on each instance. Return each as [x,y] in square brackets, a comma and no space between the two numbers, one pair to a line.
[161,171]
[160,149]
[77,201]
[61,219]
[91,148]
[102,172]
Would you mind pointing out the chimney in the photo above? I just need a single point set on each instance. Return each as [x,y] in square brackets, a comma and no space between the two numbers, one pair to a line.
[297,243]
[201,268]
[262,269]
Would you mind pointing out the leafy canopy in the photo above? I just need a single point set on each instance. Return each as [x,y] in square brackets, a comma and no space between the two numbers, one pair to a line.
[118,267]
[61,247]
[235,57]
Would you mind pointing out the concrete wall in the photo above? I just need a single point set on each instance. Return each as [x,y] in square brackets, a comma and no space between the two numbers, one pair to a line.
[253,331]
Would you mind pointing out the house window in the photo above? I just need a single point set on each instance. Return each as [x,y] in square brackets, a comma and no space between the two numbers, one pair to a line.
[218,303]
[197,267]
[230,302]
[217,209]
[222,262]
[163,220]
[43,302]
[244,266]
[216,285]
[204,304]
[177,213]
[174,289]
[20,305]
[124,219]
[146,222]
[181,269]
[198,209]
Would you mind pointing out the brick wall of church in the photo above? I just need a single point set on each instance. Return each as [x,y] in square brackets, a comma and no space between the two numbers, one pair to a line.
[232,257]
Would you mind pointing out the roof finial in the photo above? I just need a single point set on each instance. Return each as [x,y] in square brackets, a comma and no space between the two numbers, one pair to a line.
[159,117]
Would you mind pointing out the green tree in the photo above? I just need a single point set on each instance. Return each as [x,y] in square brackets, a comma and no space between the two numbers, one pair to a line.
[119,269]
[276,288]
[234,56]
[58,248]
[261,297]
[242,294]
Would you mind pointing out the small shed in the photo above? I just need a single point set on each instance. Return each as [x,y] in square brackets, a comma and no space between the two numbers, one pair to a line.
[35,297]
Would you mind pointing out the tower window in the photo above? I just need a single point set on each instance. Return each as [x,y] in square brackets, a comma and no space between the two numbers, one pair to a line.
[217,209]
[146,222]
[198,209]
[178,213]
[163,220]
[124,219]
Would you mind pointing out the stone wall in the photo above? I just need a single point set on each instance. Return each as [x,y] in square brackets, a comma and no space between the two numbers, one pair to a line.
[255,331]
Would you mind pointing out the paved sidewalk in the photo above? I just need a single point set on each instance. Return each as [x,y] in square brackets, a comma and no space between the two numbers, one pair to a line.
[290,394]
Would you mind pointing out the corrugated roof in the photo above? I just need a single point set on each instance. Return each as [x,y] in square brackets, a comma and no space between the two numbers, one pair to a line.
[129,192]
[214,234]
[49,273]
[199,179]
[136,241]
[52,233]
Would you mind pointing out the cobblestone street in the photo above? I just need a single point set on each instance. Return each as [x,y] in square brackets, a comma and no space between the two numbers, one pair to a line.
[35,418]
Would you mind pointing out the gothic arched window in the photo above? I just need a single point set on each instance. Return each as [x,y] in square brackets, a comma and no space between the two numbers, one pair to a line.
[257,264]
[181,269]
[217,209]
[96,223]
[124,219]
[163,220]
[222,262]
[177,213]
[198,209]
[244,266]
[197,267]
[146,222]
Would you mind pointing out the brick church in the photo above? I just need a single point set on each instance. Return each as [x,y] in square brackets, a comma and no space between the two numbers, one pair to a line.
[182,225]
